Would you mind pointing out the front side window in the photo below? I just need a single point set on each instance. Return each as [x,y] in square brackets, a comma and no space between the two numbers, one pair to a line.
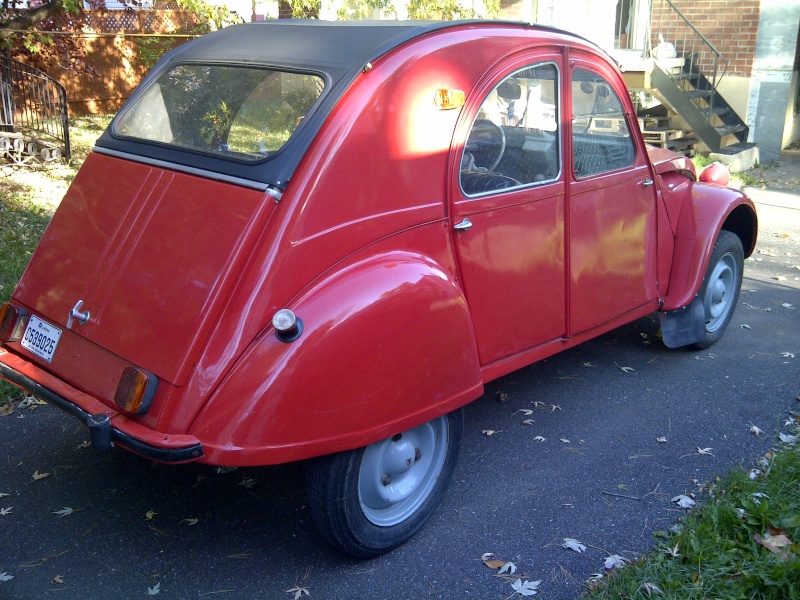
[514,140]
[601,140]
[239,112]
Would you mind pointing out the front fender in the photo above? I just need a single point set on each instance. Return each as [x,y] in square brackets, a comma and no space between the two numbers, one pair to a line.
[387,345]
[707,209]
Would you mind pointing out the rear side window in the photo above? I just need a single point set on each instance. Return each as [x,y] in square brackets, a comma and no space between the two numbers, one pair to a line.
[239,112]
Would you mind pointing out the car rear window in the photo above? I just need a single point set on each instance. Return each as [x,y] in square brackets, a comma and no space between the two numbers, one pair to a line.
[239,112]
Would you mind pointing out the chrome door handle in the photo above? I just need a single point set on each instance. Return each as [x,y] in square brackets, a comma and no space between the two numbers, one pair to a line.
[76,315]
[647,182]
[463,226]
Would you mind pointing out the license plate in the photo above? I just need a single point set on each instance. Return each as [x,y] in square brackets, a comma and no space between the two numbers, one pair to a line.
[41,338]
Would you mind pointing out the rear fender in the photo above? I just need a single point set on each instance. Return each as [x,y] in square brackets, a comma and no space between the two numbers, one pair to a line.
[387,345]
[706,210]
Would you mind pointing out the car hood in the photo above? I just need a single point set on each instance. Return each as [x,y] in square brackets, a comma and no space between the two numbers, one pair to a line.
[149,252]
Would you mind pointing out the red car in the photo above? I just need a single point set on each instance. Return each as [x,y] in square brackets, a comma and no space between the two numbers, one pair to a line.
[308,240]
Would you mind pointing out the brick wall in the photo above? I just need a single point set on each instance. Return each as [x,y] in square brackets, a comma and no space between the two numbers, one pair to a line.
[512,10]
[730,25]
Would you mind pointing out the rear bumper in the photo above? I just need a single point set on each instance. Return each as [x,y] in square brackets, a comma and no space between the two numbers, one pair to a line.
[106,426]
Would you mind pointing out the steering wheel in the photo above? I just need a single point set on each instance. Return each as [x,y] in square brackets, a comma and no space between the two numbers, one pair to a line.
[486,143]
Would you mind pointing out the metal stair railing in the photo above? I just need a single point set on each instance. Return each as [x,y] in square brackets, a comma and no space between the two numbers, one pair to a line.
[689,80]
[703,65]
[33,113]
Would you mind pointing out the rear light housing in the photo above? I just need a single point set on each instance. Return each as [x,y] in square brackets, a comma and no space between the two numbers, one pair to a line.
[135,391]
[13,321]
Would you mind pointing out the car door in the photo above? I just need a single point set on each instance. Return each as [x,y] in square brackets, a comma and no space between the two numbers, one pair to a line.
[612,202]
[508,210]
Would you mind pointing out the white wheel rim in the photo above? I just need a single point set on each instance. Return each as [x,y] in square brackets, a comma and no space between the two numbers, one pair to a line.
[720,291]
[398,474]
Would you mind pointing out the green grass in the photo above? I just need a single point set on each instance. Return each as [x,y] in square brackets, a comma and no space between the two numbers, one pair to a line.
[715,552]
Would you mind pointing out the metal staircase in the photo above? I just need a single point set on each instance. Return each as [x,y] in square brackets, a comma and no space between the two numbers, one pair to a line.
[686,79]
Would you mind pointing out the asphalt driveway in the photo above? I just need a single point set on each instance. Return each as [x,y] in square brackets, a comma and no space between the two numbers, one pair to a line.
[588,466]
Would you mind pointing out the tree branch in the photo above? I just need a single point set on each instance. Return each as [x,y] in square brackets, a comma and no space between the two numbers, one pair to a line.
[30,18]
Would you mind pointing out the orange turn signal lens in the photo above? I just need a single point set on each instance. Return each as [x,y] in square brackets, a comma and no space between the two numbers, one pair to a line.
[136,390]
[13,321]
[449,99]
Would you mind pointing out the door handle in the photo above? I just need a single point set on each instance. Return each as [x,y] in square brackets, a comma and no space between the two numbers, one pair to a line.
[463,226]
[647,182]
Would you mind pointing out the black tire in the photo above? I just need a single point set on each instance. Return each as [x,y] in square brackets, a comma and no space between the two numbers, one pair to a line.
[365,514]
[720,290]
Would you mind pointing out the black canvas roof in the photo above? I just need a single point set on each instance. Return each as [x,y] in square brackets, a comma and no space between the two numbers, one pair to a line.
[337,50]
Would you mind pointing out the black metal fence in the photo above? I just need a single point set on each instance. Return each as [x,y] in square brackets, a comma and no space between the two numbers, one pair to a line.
[33,113]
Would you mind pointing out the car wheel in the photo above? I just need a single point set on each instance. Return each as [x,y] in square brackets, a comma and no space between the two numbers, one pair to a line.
[368,501]
[720,289]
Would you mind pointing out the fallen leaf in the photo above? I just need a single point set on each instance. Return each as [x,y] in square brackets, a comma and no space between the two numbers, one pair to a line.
[524,411]
[526,588]
[6,577]
[30,401]
[787,354]
[673,552]
[247,483]
[573,544]
[5,511]
[787,438]
[58,580]
[64,512]
[502,396]
[704,451]
[6,410]
[85,444]
[774,541]
[155,590]
[538,438]
[780,278]
[755,430]
[625,369]
[754,473]
[787,305]
[492,563]
[566,441]
[683,501]
[595,579]
[3,494]
[615,561]
[650,588]
[37,476]
[488,432]
[509,568]
[537,404]
[745,326]
[588,365]
[554,407]
[661,440]
[758,496]
[191,521]
[298,592]
[528,422]
[148,516]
